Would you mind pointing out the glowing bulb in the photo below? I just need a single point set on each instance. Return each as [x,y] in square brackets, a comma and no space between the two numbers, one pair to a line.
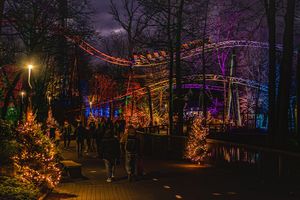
[30,67]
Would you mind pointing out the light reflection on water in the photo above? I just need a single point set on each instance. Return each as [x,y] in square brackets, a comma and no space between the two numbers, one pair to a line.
[232,154]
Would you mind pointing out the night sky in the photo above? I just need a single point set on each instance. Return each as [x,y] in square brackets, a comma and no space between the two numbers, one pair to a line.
[103,21]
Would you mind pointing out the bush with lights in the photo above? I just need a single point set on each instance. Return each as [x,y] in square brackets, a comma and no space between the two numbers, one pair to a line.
[37,160]
[196,148]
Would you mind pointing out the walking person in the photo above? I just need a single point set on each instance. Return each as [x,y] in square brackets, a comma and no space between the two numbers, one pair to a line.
[92,130]
[57,137]
[99,135]
[131,153]
[88,137]
[122,125]
[110,150]
[67,134]
[79,135]
[123,139]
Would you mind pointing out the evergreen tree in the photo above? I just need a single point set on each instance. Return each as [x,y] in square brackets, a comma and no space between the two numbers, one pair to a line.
[37,159]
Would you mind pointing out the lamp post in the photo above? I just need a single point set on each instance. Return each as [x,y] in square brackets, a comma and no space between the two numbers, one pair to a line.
[29,75]
[49,100]
[22,96]
[22,103]
[30,67]
[91,107]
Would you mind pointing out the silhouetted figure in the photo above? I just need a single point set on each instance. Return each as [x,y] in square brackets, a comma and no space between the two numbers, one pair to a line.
[121,127]
[79,134]
[110,150]
[132,149]
[88,138]
[92,133]
[99,134]
[67,133]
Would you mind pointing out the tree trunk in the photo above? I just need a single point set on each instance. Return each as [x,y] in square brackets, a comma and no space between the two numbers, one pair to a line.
[298,93]
[1,12]
[285,73]
[204,66]
[171,67]
[271,15]
[178,69]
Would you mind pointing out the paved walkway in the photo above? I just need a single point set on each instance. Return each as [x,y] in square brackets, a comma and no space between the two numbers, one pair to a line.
[167,180]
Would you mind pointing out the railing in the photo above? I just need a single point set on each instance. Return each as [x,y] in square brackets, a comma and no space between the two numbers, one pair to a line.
[219,128]
[157,130]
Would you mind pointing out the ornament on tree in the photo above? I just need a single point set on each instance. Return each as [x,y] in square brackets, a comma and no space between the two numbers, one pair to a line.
[37,160]
[196,148]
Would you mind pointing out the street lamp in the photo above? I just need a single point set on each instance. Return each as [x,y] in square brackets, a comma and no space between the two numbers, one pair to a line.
[91,107]
[29,74]
[22,103]
[49,100]
[22,96]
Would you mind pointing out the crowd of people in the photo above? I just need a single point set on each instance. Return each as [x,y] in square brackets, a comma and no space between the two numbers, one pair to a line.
[112,140]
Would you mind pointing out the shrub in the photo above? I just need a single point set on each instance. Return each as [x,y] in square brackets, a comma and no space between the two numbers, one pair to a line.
[13,189]
[8,145]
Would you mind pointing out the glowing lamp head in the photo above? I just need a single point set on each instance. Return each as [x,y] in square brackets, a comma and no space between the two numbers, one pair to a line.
[30,67]
[22,93]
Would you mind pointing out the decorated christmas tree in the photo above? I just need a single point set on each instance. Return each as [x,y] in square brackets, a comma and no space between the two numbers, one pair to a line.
[37,160]
[196,147]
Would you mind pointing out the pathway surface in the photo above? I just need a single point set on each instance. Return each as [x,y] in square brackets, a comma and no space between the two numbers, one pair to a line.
[167,180]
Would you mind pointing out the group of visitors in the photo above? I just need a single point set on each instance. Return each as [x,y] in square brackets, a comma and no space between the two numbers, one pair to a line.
[111,139]
[130,146]
[90,137]
[112,142]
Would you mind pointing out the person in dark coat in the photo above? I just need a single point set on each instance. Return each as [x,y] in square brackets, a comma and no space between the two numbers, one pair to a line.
[92,130]
[99,135]
[110,150]
[122,125]
[67,134]
[132,153]
[88,138]
[79,134]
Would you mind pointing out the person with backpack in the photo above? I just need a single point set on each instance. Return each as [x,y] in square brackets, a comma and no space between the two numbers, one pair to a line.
[132,145]
[110,150]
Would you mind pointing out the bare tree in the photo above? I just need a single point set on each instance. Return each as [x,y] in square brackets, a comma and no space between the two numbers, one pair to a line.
[283,99]
[133,19]
[271,16]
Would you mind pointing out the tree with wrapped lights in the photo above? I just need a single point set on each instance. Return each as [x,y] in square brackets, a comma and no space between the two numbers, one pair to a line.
[37,159]
[196,148]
